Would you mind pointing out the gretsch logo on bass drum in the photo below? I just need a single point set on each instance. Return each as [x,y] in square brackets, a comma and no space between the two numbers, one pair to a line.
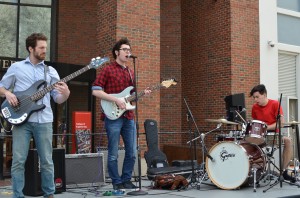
[224,155]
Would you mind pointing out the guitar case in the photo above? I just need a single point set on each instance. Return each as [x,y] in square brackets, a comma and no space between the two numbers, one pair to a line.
[157,163]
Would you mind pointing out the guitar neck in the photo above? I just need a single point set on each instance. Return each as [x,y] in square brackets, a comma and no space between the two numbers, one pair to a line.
[40,94]
[142,93]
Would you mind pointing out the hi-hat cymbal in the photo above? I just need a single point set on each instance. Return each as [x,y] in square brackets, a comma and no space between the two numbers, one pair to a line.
[224,121]
[291,123]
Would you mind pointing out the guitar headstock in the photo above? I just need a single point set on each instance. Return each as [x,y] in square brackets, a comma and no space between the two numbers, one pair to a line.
[168,83]
[98,61]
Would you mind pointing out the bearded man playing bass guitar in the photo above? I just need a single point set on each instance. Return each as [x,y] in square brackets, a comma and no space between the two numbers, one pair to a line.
[113,79]
[21,76]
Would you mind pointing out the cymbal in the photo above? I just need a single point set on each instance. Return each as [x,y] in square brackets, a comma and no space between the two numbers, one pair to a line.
[224,121]
[291,123]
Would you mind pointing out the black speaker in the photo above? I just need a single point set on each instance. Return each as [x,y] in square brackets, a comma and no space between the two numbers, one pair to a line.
[235,103]
[33,175]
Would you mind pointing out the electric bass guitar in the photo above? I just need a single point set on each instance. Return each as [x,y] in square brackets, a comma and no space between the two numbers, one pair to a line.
[27,99]
[111,109]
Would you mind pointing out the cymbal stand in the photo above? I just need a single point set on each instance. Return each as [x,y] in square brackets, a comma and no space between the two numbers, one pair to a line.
[296,161]
[280,179]
[270,160]
[201,174]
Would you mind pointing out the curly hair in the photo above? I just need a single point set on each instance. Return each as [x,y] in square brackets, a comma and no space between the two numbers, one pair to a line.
[118,44]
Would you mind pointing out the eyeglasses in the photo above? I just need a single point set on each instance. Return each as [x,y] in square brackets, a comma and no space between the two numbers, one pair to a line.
[126,49]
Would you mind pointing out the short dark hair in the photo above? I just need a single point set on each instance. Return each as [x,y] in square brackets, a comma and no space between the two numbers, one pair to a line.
[118,44]
[33,38]
[258,88]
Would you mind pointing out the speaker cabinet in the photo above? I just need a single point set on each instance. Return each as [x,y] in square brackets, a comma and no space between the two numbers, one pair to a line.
[82,170]
[33,174]
[235,102]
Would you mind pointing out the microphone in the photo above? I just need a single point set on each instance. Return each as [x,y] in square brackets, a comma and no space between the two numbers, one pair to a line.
[244,109]
[131,56]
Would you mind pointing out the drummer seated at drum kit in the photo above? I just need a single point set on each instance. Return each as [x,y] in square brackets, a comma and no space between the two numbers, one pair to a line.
[266,110]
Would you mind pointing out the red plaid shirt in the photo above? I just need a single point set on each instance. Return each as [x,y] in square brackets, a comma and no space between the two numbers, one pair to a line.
[113,79]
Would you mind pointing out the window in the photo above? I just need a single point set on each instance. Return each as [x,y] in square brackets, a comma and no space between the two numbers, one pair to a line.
[289,4]
[20,18]
[292,24]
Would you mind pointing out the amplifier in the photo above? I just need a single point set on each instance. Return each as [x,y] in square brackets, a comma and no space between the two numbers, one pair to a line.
[33,175]
[83,170]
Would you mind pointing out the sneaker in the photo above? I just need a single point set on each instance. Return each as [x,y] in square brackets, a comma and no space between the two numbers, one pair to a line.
[286,176]
[118,186]
[129,185]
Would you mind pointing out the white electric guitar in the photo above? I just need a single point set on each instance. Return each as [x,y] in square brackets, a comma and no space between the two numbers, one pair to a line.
[111,109]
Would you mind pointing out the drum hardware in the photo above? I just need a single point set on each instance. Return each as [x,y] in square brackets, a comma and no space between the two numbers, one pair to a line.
[254,180]
[291,123]
[198,175]
[295,169]
[233,135]
[294,125]
[270,174]
[221,121]
[202,173]
[278,126]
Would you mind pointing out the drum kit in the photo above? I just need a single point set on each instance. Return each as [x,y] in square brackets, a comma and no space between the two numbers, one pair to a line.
[239,158]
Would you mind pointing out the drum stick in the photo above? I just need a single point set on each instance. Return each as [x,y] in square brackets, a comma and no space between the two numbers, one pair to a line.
[240,116]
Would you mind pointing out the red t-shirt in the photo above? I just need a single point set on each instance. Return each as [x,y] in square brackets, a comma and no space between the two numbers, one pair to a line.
[266,113]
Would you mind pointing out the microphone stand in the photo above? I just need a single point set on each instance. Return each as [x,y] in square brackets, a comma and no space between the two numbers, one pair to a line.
[278,123]
[138,192]
[204,149]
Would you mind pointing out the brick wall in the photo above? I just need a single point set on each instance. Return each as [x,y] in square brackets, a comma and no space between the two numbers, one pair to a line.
[245,48]
[220,57]
[170,61]
[77,31]
[211,47]
[139,22]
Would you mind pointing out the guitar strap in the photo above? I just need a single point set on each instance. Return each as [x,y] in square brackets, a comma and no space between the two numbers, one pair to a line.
[46,69]
[130,75]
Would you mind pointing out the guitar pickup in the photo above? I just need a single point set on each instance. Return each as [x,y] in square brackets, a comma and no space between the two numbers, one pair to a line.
[6,112]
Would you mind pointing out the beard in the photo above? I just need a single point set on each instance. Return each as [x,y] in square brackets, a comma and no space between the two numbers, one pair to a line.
[40,57]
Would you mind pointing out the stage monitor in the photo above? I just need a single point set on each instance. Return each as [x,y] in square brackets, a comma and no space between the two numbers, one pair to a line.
[235,102]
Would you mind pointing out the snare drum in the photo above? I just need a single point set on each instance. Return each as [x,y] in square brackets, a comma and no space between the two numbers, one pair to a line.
[231,164]
[255,132]
[231,136]
[269,137]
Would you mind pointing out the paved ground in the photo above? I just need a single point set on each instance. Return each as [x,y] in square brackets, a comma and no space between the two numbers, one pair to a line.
[196,189]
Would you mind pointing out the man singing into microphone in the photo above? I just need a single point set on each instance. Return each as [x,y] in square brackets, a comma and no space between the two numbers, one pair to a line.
[266,110]
[113,79]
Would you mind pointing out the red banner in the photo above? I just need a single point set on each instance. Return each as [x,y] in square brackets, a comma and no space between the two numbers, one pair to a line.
[81,132]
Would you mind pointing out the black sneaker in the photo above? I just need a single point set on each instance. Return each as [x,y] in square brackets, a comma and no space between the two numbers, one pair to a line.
[287,177]
[118,186]
[129,185]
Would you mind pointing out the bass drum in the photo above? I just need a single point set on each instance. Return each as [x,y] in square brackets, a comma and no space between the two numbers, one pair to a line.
[231,164]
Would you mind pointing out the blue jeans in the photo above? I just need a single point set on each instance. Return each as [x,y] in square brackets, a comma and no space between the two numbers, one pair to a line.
[126,128]
[42,134]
